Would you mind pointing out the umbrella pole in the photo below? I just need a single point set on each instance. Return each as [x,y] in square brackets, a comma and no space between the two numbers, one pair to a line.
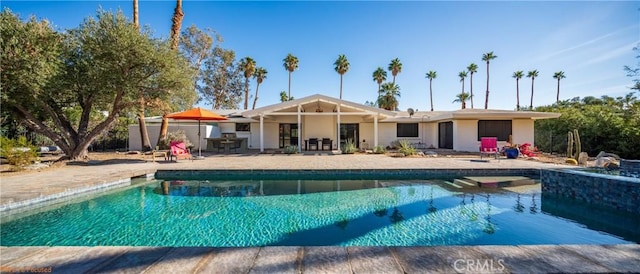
[199,139]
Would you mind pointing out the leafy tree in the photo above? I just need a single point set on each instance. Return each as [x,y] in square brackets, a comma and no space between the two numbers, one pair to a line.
[532,74]
[462,98]
[634,72]
[260,74]
[487,57]
[395,67]
[388,100]
[518,75]
[341,67]
[379,76]
[431,75]
[290,64]
[99,70]
[248,67]
[221,82]
[558,75]
[472,68]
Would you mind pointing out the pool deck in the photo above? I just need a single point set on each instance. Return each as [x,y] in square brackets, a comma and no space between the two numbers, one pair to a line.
[441,259]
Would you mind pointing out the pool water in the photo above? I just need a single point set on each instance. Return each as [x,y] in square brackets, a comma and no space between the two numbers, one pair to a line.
[306,213]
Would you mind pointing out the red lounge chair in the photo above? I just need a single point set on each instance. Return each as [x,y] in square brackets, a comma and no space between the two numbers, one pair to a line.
[489,145]
[179,150]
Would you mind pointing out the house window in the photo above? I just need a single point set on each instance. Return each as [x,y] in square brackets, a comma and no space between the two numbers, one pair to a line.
[243,127]
[407,130]
[494,128]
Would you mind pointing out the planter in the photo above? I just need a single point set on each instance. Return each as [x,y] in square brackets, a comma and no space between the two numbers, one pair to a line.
[511,153]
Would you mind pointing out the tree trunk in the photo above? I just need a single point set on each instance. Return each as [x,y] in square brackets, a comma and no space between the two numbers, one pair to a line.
[471,89]
[289,95]
[246,93]
[144,134]
[531,102]
[486,96]
[464,104]
[135,14]
[164,129]
[340,86]
[431,94]
[255,99]
[178,14]
[517,95]
[558,94]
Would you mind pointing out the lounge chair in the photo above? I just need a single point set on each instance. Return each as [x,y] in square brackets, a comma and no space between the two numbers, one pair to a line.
[313,142]
[179,150]
[489,145]
[328,143]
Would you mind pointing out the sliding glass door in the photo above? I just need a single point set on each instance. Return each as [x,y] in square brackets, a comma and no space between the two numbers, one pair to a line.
[288,135]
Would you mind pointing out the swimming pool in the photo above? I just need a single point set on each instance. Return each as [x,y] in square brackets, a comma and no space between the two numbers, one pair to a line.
[306,213]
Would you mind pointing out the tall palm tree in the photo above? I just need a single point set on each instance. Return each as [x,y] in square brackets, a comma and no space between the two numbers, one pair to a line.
[472,68]
[342,66]
[248,66]
[142,124]
[462,98]
[462,75]
[532,74]
[260,74]
[518,75]
[558,75]
[431,75]
[395,67]
[488,57]
[136,22]
[387,100]
[379,76]
[290,64]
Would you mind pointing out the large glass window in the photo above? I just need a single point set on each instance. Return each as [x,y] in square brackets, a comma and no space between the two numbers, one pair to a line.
[407,130]
[494,128]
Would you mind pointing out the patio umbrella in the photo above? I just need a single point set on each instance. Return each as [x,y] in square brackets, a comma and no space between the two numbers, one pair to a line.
[196,114]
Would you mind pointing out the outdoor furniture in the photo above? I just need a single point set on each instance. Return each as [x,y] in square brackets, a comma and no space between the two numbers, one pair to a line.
[159,153]
[235,145]
[328,143]
[489,145]
[179,150]
[221,146]
[312,142]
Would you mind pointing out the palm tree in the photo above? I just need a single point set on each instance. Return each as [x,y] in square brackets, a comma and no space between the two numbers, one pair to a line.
[487,57]
[290,64]
[387,100]
[518,75]
[176,23]
[558,75]
[431,75]
[248,66]
[395,67]
[462,75]
[260,74]
[135,14]
[462,98]
[532,74]
[379,76]
[342,66]
[472,68]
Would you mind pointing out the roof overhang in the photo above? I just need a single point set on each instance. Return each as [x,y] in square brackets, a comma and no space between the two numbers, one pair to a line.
[494,115]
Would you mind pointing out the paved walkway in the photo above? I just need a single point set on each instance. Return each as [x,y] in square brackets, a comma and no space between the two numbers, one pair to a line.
[438,259]
[445,259]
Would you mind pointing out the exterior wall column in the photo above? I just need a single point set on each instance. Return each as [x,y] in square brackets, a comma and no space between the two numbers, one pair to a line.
[299,131]
[375,130]
[338,132]
[261,132]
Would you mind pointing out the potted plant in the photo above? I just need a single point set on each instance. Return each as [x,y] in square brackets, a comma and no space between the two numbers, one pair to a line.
[511,151]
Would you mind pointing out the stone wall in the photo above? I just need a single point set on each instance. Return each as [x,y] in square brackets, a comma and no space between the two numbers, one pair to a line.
[618,192]
[630,168]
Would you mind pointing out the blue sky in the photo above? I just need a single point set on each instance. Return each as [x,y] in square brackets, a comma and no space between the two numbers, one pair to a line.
[589,41]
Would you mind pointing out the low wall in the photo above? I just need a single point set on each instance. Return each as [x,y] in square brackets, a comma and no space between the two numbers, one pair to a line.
[618,192]
[630,168]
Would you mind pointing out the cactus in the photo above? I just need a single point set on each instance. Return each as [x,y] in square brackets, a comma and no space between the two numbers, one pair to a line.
[578,144]
[570,145]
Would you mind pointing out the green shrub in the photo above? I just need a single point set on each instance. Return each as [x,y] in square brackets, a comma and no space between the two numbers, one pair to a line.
[349,147]
[379,150]
[290,149]
[19,153]
[178,135]
[406,148]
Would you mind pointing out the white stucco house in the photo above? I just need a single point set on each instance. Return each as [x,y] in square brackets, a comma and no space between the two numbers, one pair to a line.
[319,116]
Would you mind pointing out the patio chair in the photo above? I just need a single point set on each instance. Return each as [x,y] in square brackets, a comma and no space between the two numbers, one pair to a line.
[313,142]
[326,142]
[179,150]
[236,145]
[489,145]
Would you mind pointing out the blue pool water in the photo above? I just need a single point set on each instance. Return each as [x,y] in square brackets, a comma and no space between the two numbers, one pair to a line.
[346,213]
